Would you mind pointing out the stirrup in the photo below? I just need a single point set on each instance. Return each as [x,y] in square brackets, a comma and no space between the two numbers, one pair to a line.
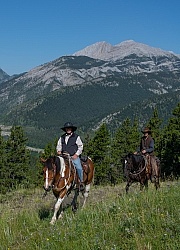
[82,186]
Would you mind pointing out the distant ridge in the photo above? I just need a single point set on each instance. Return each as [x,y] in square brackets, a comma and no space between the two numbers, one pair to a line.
[106,51]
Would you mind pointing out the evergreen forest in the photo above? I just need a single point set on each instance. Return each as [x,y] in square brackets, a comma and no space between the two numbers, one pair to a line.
[20,167]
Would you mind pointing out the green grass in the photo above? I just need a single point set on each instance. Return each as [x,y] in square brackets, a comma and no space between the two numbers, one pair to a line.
[111,220]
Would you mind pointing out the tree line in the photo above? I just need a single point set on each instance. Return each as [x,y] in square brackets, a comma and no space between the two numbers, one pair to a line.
[106,148]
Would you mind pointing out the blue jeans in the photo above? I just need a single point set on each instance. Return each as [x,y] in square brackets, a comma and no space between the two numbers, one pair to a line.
[78,166]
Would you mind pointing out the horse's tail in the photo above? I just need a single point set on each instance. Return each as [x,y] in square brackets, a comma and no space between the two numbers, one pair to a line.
[93,176]
[93,171]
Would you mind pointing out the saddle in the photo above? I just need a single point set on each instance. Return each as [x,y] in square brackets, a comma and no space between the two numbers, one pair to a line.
[84,163]
[83,159]
[148,166]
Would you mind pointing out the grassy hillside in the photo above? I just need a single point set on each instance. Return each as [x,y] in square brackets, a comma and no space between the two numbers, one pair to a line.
[111,220]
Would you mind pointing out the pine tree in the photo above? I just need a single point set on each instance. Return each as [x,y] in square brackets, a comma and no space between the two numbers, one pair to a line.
[126,140]
[3,164]
[86,143]
[18,158]
[2,150]
[155,126]
[99,151]
[171,139]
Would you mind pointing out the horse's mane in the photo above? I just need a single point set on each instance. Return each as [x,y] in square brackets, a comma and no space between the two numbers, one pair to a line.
[57,163]
[49,163]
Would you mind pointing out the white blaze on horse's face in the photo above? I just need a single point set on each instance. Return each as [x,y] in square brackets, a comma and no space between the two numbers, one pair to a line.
[125,163]
[46,180]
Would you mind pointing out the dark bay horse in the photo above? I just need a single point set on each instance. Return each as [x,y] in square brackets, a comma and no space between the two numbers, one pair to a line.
[60,175]
[138,168]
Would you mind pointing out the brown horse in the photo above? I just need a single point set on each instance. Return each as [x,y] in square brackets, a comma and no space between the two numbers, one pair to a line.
[140,168]
[60,175]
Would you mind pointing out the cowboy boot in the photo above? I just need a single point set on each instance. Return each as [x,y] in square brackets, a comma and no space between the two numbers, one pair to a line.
[82,186]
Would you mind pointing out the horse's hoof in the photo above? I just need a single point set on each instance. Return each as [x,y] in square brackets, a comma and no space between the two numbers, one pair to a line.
[60,216]
[52,222]
[74,210]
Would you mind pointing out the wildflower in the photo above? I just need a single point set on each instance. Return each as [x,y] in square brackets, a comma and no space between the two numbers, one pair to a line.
[127,230]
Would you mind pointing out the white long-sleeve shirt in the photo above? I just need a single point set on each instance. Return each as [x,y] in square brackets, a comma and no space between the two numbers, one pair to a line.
[78,142]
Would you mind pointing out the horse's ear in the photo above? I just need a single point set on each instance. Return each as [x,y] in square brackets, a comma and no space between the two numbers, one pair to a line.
[42,160]
[52,158]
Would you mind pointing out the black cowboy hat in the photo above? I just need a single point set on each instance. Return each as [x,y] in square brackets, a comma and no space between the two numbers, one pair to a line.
[69,125]
[146,130]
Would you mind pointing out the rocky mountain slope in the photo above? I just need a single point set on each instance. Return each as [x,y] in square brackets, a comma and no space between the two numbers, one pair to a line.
[3,76]
[106,51]
[86,87]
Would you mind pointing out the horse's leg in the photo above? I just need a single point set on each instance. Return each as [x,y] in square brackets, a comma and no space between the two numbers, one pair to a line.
[60,212]
[86,194]
[156,183]
[129,183]
[146,184]
[127,188]
[57,207]
[74,201]
[141,186]
[156,173]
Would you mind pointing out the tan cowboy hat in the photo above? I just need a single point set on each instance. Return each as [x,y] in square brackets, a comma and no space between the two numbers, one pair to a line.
[146,130]
[69,125]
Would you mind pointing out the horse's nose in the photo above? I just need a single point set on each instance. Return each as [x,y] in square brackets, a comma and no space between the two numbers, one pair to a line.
[47,188]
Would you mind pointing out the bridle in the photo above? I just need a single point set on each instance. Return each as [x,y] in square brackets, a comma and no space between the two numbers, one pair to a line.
[49,179]
[137,172]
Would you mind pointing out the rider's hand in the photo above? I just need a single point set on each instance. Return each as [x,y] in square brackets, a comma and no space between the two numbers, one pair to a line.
[74,157]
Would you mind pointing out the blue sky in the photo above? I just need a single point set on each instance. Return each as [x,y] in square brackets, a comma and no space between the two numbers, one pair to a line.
[33,32]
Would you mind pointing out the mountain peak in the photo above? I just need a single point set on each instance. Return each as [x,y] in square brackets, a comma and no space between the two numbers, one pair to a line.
[3,75]
[96,50]
[106,51]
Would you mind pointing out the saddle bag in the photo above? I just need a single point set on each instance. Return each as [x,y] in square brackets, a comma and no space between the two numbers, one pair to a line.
[83,158]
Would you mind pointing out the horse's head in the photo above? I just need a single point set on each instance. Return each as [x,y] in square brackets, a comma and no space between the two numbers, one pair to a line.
[128,164]
[133,163]
[49,171]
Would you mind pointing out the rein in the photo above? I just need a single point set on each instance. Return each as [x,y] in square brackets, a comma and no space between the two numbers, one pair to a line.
[139,171]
